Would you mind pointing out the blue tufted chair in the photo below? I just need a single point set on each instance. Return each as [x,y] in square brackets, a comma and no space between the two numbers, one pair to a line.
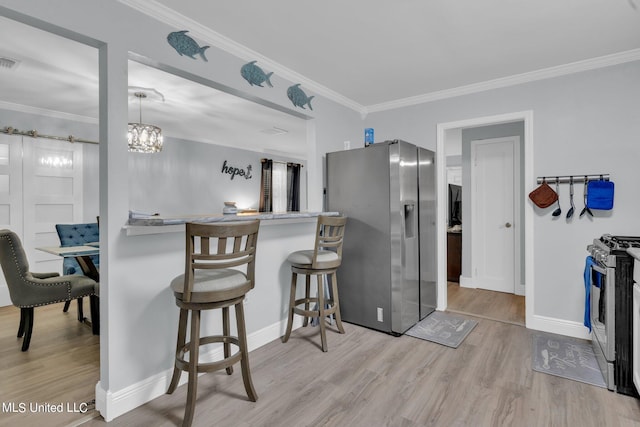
[77,235]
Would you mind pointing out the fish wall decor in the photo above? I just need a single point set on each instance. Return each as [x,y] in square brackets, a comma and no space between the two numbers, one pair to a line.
[298,97]
[185,45]
[255,75]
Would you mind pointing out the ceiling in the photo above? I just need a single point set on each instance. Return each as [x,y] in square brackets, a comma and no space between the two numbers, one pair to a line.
[366,54]
[377,51]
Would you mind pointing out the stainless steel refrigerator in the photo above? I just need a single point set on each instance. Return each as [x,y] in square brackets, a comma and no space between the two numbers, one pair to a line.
[387,280]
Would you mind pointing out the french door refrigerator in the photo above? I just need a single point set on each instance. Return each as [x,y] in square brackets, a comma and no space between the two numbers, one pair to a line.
[387,280]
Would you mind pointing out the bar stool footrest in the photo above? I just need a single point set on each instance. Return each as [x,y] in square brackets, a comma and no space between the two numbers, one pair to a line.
[313,313]
[217,365]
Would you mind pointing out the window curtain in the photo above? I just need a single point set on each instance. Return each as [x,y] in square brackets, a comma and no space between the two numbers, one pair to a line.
[265,185]
[280,186]
[293,187]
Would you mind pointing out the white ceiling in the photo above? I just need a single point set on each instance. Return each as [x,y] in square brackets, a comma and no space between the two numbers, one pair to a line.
[377,51]
[363,53]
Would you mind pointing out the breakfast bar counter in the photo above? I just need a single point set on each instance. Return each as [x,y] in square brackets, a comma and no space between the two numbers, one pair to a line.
[155,224]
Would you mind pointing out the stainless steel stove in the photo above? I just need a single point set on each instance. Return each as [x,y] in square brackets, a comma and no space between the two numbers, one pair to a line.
[611,309]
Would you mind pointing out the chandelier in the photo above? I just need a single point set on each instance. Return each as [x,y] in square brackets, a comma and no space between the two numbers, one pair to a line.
[144,138]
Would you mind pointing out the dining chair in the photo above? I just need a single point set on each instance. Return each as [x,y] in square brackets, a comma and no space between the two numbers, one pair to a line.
[77,235]
[321,261]
[28,290]
[216,254]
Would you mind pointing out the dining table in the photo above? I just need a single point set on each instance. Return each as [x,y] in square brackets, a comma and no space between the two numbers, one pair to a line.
[82,254]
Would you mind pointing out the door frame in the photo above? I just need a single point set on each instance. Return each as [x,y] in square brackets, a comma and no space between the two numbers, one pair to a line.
[441,180]
[518,289]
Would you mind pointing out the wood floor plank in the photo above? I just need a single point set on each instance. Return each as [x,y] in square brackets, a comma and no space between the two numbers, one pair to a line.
[369,378]
[60,367]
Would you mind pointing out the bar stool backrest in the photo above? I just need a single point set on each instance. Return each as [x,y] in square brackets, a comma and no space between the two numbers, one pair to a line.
[329,236]
[223,245]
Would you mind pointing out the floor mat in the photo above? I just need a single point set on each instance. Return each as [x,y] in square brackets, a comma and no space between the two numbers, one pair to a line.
[443,328]
[565,357]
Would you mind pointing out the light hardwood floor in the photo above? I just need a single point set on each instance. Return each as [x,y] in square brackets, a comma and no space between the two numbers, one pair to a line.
[60,367]
[367,378]
[498,306]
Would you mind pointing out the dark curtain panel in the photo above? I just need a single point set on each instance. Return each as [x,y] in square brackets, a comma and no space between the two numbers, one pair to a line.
[266,185]
[293,187]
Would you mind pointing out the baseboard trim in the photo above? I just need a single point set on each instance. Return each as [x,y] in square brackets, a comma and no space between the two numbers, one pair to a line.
[112,404]
[519,290]
[558,326]
[467,282]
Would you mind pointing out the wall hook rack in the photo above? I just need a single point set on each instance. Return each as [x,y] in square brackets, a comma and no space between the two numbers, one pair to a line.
[565,179]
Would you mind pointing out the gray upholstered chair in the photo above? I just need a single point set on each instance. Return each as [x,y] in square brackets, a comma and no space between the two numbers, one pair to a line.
[212,280]
[321,261]
[77,235]
[29,290]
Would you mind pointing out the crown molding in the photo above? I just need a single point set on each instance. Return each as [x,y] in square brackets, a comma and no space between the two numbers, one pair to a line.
[170,17]
[47,113]
[545,73]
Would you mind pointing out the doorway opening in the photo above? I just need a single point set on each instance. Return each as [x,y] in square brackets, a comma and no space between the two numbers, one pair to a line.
[50,101]
[462,236]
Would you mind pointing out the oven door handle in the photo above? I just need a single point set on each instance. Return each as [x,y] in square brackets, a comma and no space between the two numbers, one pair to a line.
[599,269]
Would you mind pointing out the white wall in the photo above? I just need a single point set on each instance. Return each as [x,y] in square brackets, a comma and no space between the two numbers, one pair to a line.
[584,123]
[187,177]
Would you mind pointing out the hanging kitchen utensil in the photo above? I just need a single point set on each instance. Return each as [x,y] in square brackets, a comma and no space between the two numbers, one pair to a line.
[600,194]
[543,196]
[558,211]
[586,194]
[570,213]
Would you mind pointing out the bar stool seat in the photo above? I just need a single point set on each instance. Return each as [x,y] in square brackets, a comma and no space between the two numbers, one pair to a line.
[207,285]
[210,282]
[320,262]
[305,257]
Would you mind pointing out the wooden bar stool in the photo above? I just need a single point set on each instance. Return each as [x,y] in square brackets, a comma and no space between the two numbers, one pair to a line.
[321,261]
[210,282]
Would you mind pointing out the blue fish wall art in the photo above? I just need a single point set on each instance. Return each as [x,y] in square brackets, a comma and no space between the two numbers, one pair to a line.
[185,45]
[255,75]
[298,97]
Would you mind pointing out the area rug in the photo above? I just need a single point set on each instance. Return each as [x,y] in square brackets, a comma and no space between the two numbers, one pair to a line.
[566,357]
[443,328]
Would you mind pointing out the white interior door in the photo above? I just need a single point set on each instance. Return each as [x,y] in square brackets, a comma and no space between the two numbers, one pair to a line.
[52,182]
[494,185]
[10,195]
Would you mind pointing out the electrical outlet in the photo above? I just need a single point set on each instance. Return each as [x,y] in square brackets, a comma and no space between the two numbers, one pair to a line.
[380,317]
[347,145]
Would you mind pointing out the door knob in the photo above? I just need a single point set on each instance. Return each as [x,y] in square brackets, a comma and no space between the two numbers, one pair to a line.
[508,225]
